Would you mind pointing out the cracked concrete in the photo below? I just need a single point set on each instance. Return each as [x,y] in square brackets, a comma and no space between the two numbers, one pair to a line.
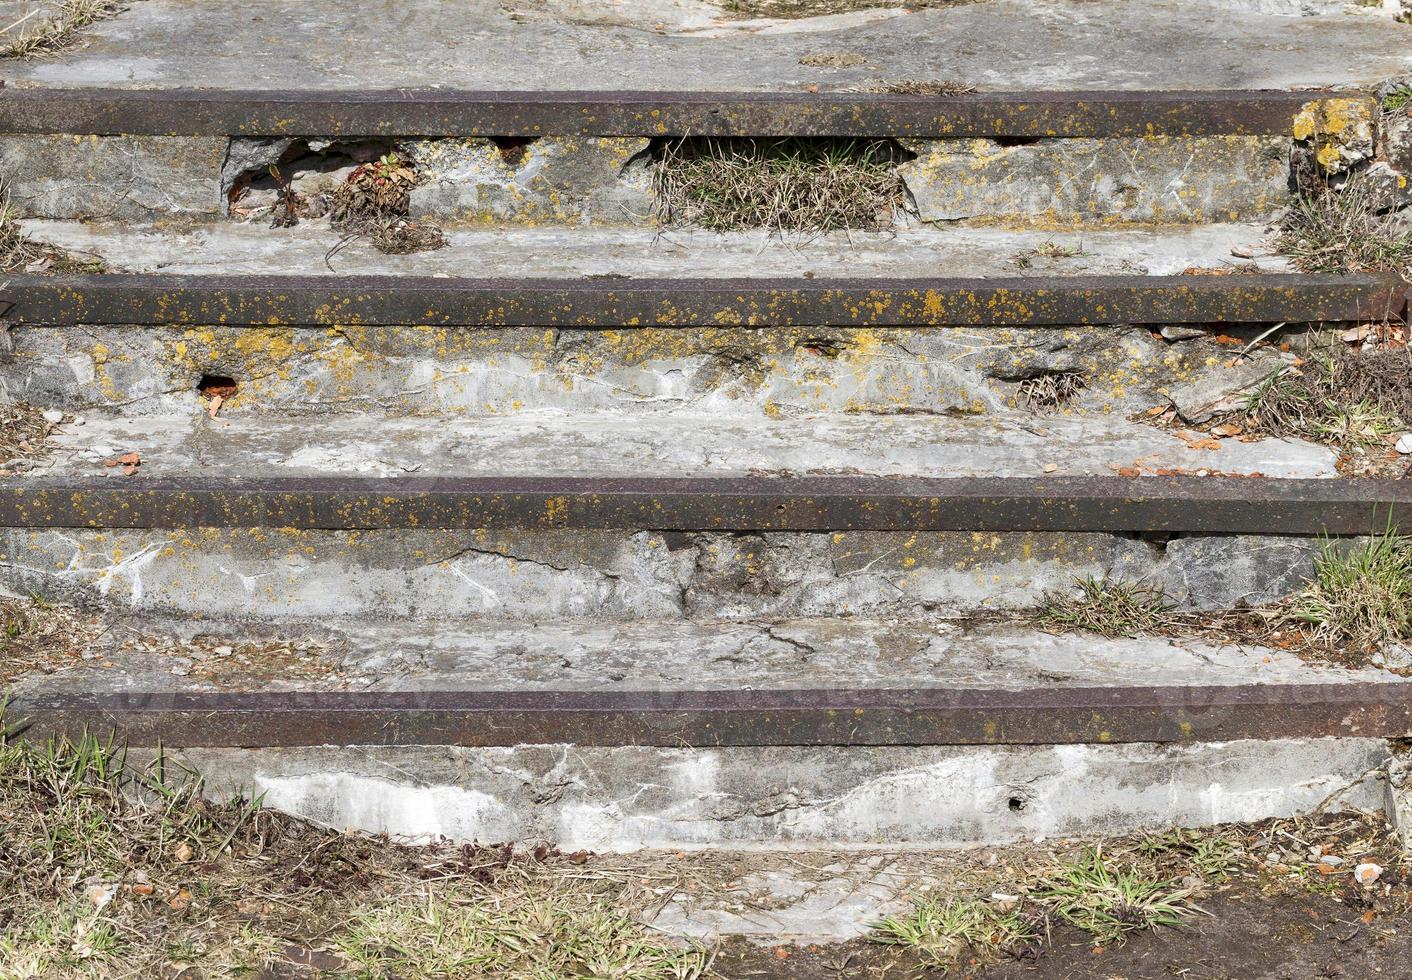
[618,576]
[1001,44]
[820,653]
[613,445]
[1158,180]
[113,177]
[625,799]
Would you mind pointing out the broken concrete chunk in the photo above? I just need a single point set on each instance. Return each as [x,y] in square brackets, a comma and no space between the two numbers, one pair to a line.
[1205,396]
[1340,130]
[558,180]
[1157,179]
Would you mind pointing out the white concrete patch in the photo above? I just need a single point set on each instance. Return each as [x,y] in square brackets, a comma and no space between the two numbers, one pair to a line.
[631,798]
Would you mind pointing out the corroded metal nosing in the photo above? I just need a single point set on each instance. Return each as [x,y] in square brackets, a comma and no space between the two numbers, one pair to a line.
[932,716]
[1177,504]
[155,299]
[439,112]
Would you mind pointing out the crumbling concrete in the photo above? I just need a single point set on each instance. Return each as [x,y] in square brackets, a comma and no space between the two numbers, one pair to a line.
[133,178]
[780,372]
[1397,802]
[1085,181]
[551,180]
[624,799]
[281,574]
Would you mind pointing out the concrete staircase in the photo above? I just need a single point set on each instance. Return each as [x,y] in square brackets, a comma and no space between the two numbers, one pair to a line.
[585,530]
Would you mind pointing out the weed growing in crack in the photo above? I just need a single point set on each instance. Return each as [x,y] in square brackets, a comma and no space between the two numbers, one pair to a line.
[1108,902]
[1361,594]
[1052,391]
[1351,399]
[1046,250]
[373,203]
[1109,607]
[944,931]
[778,184]
[37,34]
[1342,231]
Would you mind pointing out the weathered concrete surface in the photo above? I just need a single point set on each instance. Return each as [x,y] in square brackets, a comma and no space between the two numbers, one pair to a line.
[1397,801]
[255,249]
[1000,44]
[624,799]
[1163,180]
[282,574]
[784,372]
[612,445]
[132,178]
[552,180]
[162,655]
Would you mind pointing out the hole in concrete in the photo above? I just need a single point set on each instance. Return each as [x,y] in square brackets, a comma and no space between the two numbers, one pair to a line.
[512,148]
[1016,804]
[1015,140]
[312,172]
[804,184]
[212,385]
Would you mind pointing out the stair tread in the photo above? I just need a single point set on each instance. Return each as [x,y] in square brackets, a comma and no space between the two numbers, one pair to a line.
[249,249]
[654,44]
[830,654]
[240,448]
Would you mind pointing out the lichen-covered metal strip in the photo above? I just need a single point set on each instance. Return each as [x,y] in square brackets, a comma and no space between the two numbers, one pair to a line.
[373,300]
[732,718]
[1213,505]
[437,112]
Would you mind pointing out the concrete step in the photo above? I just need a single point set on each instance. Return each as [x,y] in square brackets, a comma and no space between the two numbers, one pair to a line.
[653,45]
[383,334]
[700,518]
[1057,137]
[758,734]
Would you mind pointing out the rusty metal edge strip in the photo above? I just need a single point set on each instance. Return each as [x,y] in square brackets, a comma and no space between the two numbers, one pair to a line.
[1182,504]
[731,718]
[439,112]
[158,299]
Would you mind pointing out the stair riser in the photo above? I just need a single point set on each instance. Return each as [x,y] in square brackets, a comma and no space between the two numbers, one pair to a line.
[573,180]
[772,371]
[625,799]
[532,575]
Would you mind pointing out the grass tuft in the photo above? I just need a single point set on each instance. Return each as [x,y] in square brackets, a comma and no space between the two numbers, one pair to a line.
[779,184]
[1361,595]
[560,934]
[1350,399]
[943,932]
[1342,231]
[35,34]
[1109,902]
[1051,391]
[1109,607]
[373,203]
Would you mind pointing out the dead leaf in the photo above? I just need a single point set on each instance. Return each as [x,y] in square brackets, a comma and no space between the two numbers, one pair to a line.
[1228,429]
[216,404]
[183,852]
[181,901]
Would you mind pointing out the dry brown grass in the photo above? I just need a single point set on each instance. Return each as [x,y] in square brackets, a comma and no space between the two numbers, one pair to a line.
[117,869]
[1342,231]
[23,430]
[47,27]
[373,204]
[779,184]
[930,87]
[20,253]
[792,9]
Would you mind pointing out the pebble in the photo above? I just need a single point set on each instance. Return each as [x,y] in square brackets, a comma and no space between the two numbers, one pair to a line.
[1404,443]
[1331,860]
[1367,873]
[53,416]
[1171,332]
